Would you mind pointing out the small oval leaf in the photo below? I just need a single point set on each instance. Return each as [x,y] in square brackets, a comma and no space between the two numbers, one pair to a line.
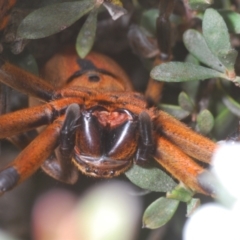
[53,18]
[148,20]
[192,206]
[232,105]
[197,46]
[86,36]
[181,72]
[191,88]
[199,5]
[175,111]
[152,179]
[185,102]
[215,32]
[223,122]
[205,121]
[159,212]
[232,20]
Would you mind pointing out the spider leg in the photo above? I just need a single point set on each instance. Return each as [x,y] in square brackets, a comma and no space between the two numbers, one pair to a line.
[31,158]
[164,29]
[154,89]
[27,119]
[179,164]
[25,82]
[164,38]
[60,166]
[32,85]
[190,142]
[145,145]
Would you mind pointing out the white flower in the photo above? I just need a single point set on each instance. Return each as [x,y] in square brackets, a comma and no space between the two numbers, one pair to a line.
[213,220]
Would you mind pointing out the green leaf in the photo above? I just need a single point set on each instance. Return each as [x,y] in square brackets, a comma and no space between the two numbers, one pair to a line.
[185,102]
[232,19]
[197,46]
[199,5]
[148,20]
[228,59]
[232,105]
[53,18]
[205,121]
[152,179]
[191,88]
[215,32]
[175,111]
[86,36]
[223,122]
[181,193]
[159,212]
[192,206]
[181,72]
[191,59]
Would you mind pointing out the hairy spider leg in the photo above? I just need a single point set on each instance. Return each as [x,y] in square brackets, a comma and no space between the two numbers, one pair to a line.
[25,82]
[190,142]
[31,158]
[179,165]
[28,119]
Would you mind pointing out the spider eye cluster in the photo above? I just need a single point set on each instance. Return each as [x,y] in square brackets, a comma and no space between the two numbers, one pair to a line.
[93,78]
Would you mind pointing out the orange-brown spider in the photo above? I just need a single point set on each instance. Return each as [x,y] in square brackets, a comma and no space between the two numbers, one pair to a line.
[96,124]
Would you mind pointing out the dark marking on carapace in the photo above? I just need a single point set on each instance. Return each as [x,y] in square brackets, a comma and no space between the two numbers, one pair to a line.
[87,66]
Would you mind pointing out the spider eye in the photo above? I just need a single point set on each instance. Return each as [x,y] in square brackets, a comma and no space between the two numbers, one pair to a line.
[93,78]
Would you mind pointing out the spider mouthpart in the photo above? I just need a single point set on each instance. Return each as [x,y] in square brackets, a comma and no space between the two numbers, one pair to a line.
[100,167]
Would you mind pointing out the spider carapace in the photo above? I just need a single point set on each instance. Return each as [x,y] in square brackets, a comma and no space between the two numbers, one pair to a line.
[96,124]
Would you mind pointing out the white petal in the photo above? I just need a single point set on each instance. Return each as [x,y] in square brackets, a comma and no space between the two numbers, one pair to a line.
[226,166]
[209,222]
